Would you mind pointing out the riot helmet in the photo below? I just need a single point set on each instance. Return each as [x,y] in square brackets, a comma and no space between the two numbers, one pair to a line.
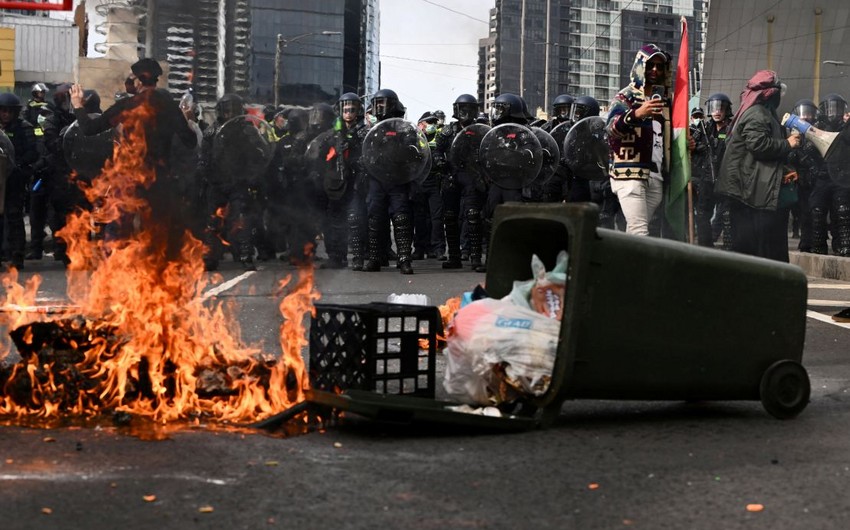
[10,107]
[509,108]
[385,104]
[441,117]
[321,118]
[719,107]
[39,90]
[584,106]
[62,97]
[91,101]
[562,106]
[465,108]
[483,118]
[296,121]
[228,107]
[350,105]
[832,109]
[806,109]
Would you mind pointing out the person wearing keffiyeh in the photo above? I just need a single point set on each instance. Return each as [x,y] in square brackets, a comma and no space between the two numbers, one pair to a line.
[753,170]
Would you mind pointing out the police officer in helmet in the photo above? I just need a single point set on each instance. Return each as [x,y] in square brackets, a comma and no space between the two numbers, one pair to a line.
[26,153]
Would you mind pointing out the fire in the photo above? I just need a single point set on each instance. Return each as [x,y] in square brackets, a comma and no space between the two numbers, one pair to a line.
[447,313]
[141,340]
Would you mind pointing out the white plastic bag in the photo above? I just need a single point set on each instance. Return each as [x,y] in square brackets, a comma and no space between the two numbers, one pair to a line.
[498,351]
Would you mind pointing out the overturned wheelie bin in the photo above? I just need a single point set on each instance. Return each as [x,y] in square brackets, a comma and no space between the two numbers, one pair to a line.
[650,319]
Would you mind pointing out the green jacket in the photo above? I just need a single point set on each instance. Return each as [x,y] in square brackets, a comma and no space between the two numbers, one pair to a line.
[754,163]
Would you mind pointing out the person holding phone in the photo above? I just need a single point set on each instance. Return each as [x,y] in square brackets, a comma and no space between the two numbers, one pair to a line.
[636,124]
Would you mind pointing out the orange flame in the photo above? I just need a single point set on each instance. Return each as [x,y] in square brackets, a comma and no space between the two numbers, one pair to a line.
[153,346]
[447,313]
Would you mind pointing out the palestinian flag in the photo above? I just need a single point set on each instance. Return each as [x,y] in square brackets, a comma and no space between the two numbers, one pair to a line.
[680,162]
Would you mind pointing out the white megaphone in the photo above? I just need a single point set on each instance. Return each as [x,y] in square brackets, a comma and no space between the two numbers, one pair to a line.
[822,140]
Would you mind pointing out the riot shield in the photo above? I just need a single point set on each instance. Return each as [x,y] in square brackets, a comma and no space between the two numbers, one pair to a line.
[326,164]
[396,152]
[87,154]
[511,156]
[838,159]
[559,133]
[586,149]
[551,155]
[464,151]
[242,150]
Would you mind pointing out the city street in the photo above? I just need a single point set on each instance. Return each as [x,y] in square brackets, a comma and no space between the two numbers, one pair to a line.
[603,464]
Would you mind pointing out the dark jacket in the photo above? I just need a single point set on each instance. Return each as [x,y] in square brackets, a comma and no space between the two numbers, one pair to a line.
[754,163]
[165,120]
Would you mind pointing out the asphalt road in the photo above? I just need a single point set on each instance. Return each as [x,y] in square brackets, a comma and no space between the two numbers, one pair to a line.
[603,464]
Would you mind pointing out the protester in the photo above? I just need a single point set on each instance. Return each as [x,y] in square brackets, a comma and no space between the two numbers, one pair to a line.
[753,171]
[635,133]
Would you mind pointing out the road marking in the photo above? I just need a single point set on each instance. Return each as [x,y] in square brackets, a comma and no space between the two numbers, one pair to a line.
[67,308]
[828,303]
[824,318]
[840,286]
[226,285]
[89,477]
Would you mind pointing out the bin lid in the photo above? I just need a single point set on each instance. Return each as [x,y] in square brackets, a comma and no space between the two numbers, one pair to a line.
[412,411]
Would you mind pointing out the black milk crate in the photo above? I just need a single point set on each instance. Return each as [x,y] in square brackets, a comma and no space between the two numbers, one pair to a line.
[379,347]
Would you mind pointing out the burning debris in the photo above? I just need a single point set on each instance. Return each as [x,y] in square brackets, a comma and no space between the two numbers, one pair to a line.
[141,339]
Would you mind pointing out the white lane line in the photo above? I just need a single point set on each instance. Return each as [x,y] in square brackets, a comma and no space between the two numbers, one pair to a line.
[840,286]
[226,285]
[97,476]
[824,318]
[828,303]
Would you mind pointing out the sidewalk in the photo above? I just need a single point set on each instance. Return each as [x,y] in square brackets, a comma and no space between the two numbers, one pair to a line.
[828,267]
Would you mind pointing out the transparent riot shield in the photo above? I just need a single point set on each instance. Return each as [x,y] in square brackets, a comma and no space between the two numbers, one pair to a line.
[838,159]
[87,154]
[586,149]
[242,149]
[325,159]
[464,152]
[559,133]
[511,156]
[551,155]
[396,152]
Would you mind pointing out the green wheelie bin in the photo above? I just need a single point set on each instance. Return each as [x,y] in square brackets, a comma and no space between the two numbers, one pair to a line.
[652,319]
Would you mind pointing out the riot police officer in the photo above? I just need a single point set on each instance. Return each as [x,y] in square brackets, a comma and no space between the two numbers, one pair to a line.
[718,126]
[810,167]
[561,108]
[37,109]
[230,201]
[460,188]
[828,200]
[22,136]
[709,145]
[388,200]
[339,174]
[56,187]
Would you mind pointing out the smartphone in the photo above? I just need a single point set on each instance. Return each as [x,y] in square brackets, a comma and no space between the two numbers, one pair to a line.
[657,92]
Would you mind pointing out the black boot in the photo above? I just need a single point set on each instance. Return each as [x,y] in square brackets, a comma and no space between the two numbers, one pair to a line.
[375,246]
[403,227]
[355,241]
[842,223]
[819,231]
[474,233]
[452,227]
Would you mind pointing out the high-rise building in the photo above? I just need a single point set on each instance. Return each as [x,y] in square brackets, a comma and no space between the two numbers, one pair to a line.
[307,52]
[542,48]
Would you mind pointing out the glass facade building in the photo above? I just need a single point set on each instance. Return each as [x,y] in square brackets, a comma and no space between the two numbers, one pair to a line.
[230,46]
[543,48]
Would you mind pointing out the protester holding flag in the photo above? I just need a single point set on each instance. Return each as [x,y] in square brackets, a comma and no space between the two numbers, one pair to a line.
[753,171]
[636,137]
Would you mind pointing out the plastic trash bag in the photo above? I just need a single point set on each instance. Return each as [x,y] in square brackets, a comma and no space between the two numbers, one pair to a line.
[498,351]
[545,292]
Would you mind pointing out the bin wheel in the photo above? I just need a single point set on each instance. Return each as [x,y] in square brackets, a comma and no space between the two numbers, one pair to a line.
[785,389]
